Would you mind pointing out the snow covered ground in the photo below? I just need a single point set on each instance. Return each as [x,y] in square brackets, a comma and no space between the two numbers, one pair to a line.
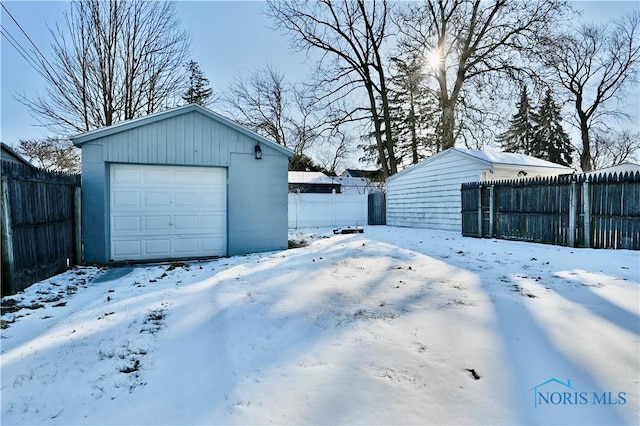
[387,327]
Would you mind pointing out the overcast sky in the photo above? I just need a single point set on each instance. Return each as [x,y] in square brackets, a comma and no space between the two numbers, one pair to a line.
[229,38]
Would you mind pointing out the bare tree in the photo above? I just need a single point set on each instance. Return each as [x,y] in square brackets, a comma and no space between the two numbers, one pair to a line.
[473,42]
[287,113]
[51,154]
[333,153]
[262,103]
[116,60]
[350,35]
[594,64]
[613,148]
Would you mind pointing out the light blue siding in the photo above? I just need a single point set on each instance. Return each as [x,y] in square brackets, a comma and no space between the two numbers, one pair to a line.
[179,140]
[95,202]
[257,203]
[192,136]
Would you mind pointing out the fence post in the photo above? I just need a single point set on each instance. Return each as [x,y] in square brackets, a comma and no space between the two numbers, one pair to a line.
[77,225]
[491,210]
[586,208]
[573,207]
[333,207]
[8,264]
[480,211]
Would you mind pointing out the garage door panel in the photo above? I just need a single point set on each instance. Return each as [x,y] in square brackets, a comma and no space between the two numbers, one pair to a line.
[159,176]
[186,177]
[212,245]
[156,199]
[162,212]
[213,223]
[125,175]
[128,249]
[213,199]
[122,199]
[157,224]
[186,223]
[186,247]
[187,200]
[126,224]
[159,248]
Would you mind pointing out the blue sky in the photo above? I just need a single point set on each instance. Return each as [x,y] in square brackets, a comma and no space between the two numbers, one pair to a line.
[229,38]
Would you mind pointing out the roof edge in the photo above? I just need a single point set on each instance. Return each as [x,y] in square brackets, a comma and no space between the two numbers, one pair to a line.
[435,157]
[91,135]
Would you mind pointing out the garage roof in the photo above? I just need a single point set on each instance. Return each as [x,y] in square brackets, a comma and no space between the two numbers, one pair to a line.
[82,138]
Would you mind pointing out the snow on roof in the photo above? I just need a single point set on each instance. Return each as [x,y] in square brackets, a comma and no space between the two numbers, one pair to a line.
[619,168]
[310,177]
[352,181]
[510,158]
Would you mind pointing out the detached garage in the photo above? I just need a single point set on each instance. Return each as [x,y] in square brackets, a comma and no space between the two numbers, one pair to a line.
[183,183]
[427,195]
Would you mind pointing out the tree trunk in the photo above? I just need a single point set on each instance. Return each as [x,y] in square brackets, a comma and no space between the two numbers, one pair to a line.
[447,138]
[585,155]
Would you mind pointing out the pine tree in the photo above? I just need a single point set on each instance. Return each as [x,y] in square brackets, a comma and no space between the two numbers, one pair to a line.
[197,92]
[550,141]
[519,137]
[413,112]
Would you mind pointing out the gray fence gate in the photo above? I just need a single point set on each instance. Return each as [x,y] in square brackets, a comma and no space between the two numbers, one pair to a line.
[377,209]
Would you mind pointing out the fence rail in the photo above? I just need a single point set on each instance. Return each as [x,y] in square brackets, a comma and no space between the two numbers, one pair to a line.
[40,224]
[598,211]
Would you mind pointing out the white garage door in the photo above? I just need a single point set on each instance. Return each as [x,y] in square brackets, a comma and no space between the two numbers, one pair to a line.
[162,212]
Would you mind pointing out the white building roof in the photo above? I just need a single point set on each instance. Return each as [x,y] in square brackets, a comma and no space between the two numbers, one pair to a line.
[310,177]
[620,168]
[509,158]
[489,160]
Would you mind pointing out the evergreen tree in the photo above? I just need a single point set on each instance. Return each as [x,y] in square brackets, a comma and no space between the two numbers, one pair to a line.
[197,92]
[519,137]
[550,141]
[303,163]
[413,118]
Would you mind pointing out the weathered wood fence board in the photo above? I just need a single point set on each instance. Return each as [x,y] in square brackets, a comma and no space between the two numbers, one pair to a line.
[40,225]
[377,209]
[599,211]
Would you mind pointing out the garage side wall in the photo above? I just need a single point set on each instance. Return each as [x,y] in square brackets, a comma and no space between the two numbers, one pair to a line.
[257,203]
[95,202]
[428,196]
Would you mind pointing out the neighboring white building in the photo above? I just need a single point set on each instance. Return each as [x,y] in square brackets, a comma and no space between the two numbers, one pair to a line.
[355,185]
[312,182]
[427,195]
[318,182]
[627,167]
[362,181]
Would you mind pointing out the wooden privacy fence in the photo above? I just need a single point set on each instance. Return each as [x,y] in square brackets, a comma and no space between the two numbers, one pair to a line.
[40,224]
[597,211]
